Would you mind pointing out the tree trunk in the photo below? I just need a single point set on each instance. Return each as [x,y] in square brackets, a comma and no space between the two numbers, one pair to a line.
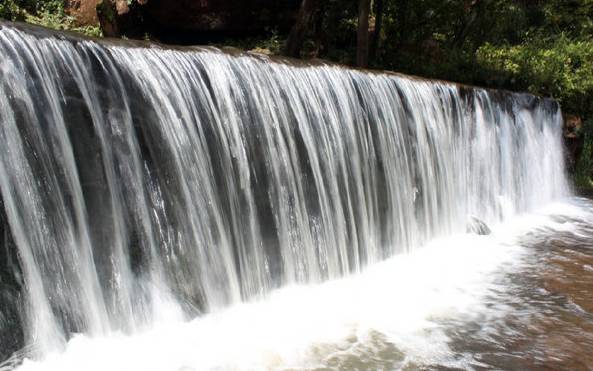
[475,11]
[375,45]
[108,18]
[296,38]
[362,50]
[403,20]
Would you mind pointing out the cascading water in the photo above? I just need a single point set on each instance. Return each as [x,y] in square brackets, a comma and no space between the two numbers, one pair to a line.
[146,184]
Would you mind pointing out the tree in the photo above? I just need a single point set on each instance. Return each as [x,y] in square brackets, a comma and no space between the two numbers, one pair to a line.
[475,10]
[362,48]
[298,32]
[375,44]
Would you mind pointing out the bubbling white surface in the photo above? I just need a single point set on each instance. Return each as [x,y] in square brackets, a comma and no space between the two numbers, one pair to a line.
[300,327]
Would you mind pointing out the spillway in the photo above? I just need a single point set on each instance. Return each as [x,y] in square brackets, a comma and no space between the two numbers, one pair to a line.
[143,184]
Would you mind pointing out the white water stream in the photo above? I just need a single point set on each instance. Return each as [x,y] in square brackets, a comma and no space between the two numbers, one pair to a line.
[145,187]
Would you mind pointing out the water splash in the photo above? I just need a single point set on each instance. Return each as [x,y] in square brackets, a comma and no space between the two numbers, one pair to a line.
[392,316]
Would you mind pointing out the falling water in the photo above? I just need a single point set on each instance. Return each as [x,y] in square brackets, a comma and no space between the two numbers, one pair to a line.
[144,184]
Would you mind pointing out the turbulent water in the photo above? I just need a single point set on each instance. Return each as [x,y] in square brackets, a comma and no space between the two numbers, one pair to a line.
[145,186]
[518,299]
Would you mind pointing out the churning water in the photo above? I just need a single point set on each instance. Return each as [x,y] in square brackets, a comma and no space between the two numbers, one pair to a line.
[180,209]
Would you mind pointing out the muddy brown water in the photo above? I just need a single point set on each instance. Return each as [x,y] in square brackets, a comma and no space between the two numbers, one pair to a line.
[541,315]
[550,322]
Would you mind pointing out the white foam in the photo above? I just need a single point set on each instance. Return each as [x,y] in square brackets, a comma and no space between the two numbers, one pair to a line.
[399,298]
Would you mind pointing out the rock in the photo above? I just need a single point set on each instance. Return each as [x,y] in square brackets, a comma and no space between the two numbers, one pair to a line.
[574,140]
[122,7]
[84,11]
[12,337]
[477,226]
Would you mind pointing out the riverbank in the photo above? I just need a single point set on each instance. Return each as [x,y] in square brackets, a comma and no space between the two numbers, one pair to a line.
[584,192]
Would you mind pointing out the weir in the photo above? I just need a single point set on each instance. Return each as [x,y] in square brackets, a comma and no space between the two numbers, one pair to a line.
[143,184]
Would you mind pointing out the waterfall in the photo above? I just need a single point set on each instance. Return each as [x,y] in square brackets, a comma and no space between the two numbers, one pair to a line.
[142,183]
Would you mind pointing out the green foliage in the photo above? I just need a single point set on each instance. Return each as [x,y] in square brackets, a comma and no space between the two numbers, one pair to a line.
[568,16]
[583,176]
[47,13]
[560,67]
[10,9]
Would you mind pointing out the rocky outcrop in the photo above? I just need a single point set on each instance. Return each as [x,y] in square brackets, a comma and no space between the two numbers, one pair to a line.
[84,11]
[11,329]
[477,226]
[574,140]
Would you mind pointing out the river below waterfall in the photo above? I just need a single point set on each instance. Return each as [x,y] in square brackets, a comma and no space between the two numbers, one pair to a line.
[518,299]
